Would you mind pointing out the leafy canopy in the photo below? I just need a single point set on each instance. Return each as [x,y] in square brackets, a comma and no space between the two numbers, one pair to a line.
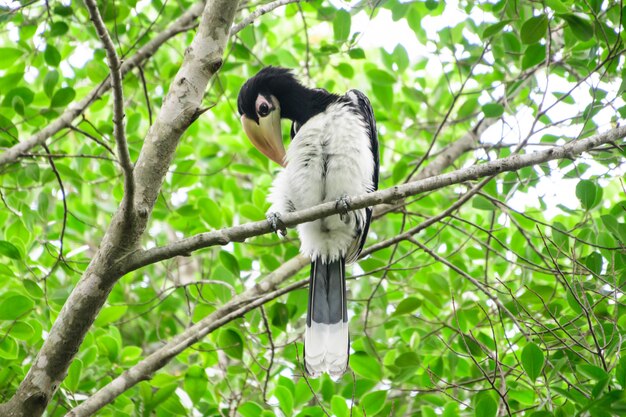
[546,243]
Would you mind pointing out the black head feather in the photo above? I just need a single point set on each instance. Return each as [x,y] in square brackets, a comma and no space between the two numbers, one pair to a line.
[297,102]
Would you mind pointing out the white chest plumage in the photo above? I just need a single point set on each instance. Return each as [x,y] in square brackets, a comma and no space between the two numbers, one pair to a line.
[329,157]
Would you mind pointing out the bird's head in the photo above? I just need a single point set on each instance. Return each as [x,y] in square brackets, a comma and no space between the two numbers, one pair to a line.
[259,106]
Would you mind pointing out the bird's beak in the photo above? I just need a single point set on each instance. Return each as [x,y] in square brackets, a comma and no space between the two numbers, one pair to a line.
[266,136]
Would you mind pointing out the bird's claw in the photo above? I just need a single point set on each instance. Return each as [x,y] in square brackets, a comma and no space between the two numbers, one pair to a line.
[343,205]
[276,224]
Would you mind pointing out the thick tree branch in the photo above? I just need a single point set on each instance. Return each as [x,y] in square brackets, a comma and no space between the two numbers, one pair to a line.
[181,24]
[202,59]
[261,293]
[139,259]
[118,105]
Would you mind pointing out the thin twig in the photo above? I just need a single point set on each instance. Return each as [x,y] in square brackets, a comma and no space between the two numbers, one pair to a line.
[118,106]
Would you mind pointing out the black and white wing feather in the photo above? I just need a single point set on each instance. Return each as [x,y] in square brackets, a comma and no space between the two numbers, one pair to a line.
[364,108]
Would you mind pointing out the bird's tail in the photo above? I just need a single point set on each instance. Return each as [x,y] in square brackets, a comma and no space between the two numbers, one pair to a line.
[326,340]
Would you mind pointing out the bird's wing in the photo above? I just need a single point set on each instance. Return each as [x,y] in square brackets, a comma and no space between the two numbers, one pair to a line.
[364,107]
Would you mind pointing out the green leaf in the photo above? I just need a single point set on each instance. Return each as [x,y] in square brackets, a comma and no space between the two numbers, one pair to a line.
[63,10]
[230,341]
[8,132]
[407,306]
[356,53]
[21,330]
[486,407]
[612,225]
[401,57]
[58,29]
[96,70]
[493,109]
[594,262]
[495,28]
[251,212]
[63,97]
[14,306]
[280,315]
[384,93]
[210,212]
[108,347]
[250,409]
[230,263]
[196,383]
[482,203]
[9,250]
[52,56]
[73,375]
[366,366]
[130,354]
[407,360]
[557,6]
[285,399]
[341,25]
[9,349]
[9,57]
[373,402]
[25,93]
[163,394]
[50,81]
[381,77]
[532,360]
[345,70]
[339,407]
[581,28]
[586,191]
[18,105]
[542,413]
[592,371]
[110,314]
[534,29]
[561,240]
[32,288]
[620,372]
[533,55]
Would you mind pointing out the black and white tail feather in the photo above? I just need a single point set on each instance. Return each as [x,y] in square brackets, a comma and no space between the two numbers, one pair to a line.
[326,340]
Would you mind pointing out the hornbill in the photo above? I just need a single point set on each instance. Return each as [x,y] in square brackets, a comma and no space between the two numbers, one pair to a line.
[333,155]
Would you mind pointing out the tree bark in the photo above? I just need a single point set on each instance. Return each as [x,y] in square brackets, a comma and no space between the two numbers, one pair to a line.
[262,292]
[202,59]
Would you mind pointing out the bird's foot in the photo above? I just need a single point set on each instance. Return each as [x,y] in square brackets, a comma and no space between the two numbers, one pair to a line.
[343,205]
[276,224]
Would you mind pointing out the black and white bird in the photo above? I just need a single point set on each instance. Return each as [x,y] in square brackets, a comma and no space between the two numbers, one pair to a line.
[333,155]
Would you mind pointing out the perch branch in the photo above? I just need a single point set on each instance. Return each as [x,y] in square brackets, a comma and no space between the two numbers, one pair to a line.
[139,259]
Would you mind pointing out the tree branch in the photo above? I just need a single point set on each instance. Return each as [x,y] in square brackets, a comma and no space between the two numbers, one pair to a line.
[266,291]
[118,105]
[181,24]
[139,259]
[261,293]
[202,59]
[259,11]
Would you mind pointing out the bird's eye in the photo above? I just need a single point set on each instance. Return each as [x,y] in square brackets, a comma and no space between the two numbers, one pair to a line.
[263,110]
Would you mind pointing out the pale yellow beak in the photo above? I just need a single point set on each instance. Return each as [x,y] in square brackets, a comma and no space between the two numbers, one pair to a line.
[266,136]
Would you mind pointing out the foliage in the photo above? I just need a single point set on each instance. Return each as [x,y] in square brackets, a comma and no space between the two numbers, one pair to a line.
[545,243]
